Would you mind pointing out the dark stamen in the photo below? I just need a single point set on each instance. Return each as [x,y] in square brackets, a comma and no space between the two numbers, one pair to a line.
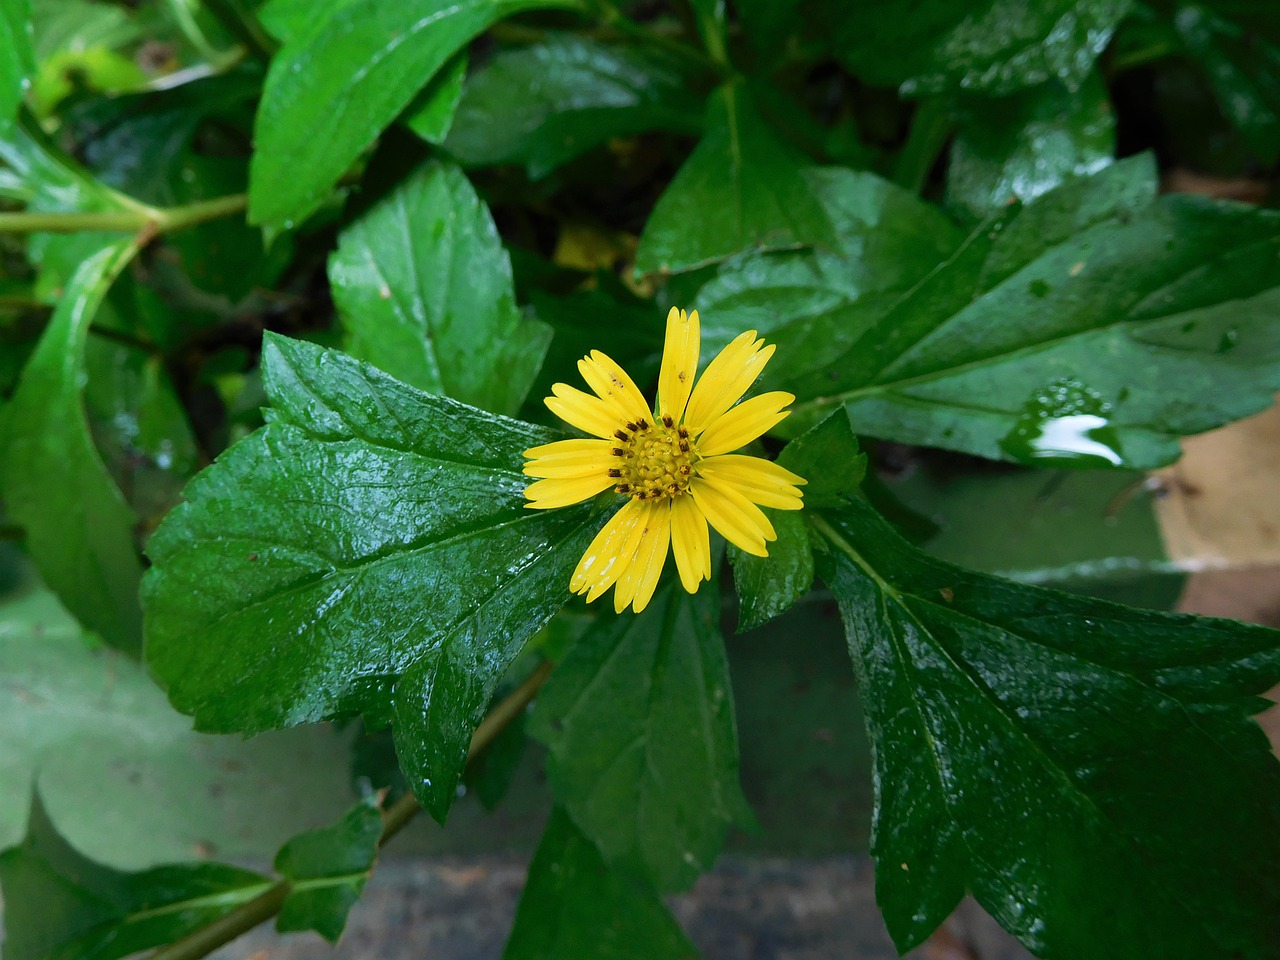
[684,446]
[683,432]
[619,452]
[621,436]
[615,473]
[667,421]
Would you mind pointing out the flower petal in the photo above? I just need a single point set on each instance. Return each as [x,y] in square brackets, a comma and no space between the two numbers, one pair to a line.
[562,491]
[564,448]
[726,379]
[638,581]
[612,385]
[737,519]
[690,543]
[760,481]
[679,363]
[582,410]
[575,458]
[610,552]
[744,423]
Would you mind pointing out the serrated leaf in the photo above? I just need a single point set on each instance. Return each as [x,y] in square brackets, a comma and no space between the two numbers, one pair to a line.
[367,551]
[574,906]
[937,46]
[543,104]
[351,76]
[423,286]
[1056,340]
[1020,147]
[78,527]
[17,57]
[742,188]
[60,905]
[327,869]
[638,718]
[1090,772]
[769,586]
[829,458]
[432,111]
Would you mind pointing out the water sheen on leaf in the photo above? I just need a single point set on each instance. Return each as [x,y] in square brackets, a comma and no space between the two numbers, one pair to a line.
[1089,771]
[367,551]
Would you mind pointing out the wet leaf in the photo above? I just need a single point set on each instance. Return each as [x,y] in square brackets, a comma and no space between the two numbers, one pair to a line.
[79,529]
[543,104]
[328,868]
[742,188]
[1024,737]
[367,551]
[17,57]
[638,718]
[351,75]
[60,905]
[828,457]
[423,287]
[574,906]
[769,586]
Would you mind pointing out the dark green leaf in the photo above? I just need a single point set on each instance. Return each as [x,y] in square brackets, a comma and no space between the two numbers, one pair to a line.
[546,103]
[78,527]
[999,46]
[574,906]
[742,188]
[1053,335]
[638,718]
[328,868]
[432,111]
[1090,772]
[828,457]
[490,774]
[423,286]
[17,58]
[368,551]
[349,76]
[769,586]
[1025,145]
[60,905]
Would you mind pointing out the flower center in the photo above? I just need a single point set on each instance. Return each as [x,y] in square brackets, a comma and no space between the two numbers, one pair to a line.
[654,460]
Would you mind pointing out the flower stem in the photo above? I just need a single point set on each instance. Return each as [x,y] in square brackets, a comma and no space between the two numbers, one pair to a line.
[157,220]
[242,919]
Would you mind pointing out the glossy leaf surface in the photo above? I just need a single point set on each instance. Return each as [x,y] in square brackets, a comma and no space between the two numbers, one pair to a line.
[368,551]
[423,286]
[742,188]
[769,586]
[328,868]
[543,104]
[78,527]
[638,718]
[60,905]
[574,906]
[351,75]
[1023,737]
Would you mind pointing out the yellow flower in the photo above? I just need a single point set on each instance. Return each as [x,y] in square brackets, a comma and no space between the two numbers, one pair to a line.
[674,462]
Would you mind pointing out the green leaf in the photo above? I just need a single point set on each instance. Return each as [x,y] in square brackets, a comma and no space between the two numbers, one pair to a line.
[367,551]
[828,457]
[1054,334]
[423,286]
[546,103]
[1020,147]
[432,111]
[60,905]
[350,76]
[17,57]
[1089,772]
[999,46]
[770,586]
[574,906]
[78,527]
[638,718]
[327,869]
[742,188]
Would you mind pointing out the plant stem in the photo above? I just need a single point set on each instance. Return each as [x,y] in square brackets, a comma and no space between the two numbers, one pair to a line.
[930,129]
[244,26]
[263,907]
[125,221]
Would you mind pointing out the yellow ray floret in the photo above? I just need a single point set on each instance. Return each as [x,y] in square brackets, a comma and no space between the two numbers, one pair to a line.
[673,462]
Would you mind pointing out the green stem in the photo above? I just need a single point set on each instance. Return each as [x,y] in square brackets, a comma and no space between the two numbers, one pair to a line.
[137,220]
[244,26]
[262,908]
[930,129]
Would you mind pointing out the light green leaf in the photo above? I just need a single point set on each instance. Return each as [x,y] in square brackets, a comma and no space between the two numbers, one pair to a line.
[78,527]
[432,111]
[546,103]
[742,188]
[574,906]
[60,905]
[368,551]
[350,76]
[423,286]
[1023,737]
[17,57]
[638,718]
[327,869]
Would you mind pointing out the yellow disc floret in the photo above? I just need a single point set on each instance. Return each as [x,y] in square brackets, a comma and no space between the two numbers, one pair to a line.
[653,461]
